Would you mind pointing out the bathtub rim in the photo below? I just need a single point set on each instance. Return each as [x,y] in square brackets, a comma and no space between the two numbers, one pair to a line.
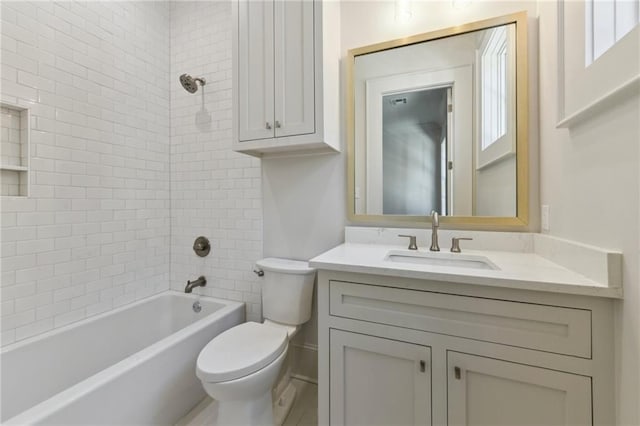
[93,318]
[44,408]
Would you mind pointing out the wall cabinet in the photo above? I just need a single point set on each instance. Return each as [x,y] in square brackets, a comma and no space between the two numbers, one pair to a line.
[280,79]
[410,352]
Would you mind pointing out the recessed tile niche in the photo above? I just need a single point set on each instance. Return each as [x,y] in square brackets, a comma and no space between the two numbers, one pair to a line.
[14,150]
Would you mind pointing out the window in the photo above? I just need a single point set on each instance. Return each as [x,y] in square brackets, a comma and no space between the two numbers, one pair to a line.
[606,22]
[611,72]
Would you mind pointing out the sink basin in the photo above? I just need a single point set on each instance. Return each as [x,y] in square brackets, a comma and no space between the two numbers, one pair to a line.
[456,260]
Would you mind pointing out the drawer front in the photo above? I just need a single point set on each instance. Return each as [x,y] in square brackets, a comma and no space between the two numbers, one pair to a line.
[554,329]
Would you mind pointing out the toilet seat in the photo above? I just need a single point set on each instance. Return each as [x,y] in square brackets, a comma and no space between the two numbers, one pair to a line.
[240,351]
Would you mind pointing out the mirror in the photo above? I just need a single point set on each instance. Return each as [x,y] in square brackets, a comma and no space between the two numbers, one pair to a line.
[438,121]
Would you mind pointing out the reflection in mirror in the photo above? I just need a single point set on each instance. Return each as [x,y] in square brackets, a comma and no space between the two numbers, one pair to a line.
[435,126]
[414,152]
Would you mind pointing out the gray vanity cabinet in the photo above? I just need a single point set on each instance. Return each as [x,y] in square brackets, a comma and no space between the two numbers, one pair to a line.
[486,391]
[376,381]
[400,351]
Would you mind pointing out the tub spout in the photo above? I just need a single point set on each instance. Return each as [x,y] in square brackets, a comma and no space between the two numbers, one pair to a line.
[200,282]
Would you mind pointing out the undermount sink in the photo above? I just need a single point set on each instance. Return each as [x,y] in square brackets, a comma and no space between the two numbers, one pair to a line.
[455,260]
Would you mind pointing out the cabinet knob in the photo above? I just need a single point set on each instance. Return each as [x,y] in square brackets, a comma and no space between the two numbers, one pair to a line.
[268,126]
[278,124]
[457,372]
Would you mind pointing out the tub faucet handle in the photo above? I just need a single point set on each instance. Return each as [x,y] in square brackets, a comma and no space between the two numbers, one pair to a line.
[258,272]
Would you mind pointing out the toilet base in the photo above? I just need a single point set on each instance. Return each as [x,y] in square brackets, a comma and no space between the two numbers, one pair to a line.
[258,411]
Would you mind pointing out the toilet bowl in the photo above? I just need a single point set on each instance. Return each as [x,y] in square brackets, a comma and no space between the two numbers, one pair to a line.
[239,367]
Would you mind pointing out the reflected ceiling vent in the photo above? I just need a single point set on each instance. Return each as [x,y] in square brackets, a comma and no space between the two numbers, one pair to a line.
[398,101]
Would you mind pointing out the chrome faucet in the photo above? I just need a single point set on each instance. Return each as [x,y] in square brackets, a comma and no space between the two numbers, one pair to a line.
[200,282]
[435,223]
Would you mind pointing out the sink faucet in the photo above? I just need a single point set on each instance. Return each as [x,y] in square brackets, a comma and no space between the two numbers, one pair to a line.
[200,282]
[435,223]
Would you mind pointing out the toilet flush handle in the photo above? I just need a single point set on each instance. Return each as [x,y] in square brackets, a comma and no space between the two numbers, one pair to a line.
[258,272]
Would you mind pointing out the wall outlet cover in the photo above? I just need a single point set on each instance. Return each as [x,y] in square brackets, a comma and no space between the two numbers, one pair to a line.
[544,217]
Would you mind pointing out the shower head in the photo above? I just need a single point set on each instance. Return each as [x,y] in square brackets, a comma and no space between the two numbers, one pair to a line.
[190,84]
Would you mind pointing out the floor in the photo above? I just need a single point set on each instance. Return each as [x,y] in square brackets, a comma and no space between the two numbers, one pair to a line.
[305,409]
[303,413]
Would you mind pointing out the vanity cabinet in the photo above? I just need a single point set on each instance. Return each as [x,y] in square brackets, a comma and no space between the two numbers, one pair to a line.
[405,351]
[376,381]
[486,391]
[278,77]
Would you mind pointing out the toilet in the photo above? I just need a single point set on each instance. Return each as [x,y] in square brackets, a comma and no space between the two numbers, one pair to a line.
[239,367]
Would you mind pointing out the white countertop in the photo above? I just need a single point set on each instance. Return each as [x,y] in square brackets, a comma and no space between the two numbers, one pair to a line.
[517,269]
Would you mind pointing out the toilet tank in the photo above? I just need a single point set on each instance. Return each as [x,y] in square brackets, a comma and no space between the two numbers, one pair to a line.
[287,291]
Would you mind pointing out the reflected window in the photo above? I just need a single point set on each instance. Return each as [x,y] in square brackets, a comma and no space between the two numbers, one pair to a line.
[493,86]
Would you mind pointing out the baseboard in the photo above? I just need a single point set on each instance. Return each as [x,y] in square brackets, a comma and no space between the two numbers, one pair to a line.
[304,362]
[304,378]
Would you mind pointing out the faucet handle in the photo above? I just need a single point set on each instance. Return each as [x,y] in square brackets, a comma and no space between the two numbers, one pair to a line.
[412,241]
[455,243]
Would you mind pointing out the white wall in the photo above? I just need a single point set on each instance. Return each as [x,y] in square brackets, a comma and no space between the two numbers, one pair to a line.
[215,192]
[496,189]
[591,180]
[95,232]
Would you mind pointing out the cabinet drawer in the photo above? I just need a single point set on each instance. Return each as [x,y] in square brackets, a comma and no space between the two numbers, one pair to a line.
[546,328]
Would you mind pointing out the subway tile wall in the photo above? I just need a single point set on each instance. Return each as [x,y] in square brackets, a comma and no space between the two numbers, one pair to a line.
[11,145]
[95,233]
[215,191]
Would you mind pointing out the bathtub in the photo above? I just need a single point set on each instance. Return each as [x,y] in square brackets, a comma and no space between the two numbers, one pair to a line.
[134,365]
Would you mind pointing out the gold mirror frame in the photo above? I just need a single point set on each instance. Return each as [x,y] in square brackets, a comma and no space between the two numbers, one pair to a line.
[519,222]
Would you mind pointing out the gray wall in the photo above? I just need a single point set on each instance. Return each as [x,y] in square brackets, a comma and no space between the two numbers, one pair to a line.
[412,143]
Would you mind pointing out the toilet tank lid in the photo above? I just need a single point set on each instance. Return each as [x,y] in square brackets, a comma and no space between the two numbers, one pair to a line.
[287,266]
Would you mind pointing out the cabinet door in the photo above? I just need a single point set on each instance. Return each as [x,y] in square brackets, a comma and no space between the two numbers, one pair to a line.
[294,67]
[486,391]
[255,70]
[376,381]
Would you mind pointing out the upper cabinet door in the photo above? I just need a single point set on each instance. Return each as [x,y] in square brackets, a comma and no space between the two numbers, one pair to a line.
[486,391]
[294,67]
[255,70]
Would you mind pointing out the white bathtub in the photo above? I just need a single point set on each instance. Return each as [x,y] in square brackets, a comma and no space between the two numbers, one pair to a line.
[131,366]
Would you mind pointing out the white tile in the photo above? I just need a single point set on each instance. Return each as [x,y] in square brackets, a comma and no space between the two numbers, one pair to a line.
[63,60]
[31,329]
[202,163]
[69,317]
